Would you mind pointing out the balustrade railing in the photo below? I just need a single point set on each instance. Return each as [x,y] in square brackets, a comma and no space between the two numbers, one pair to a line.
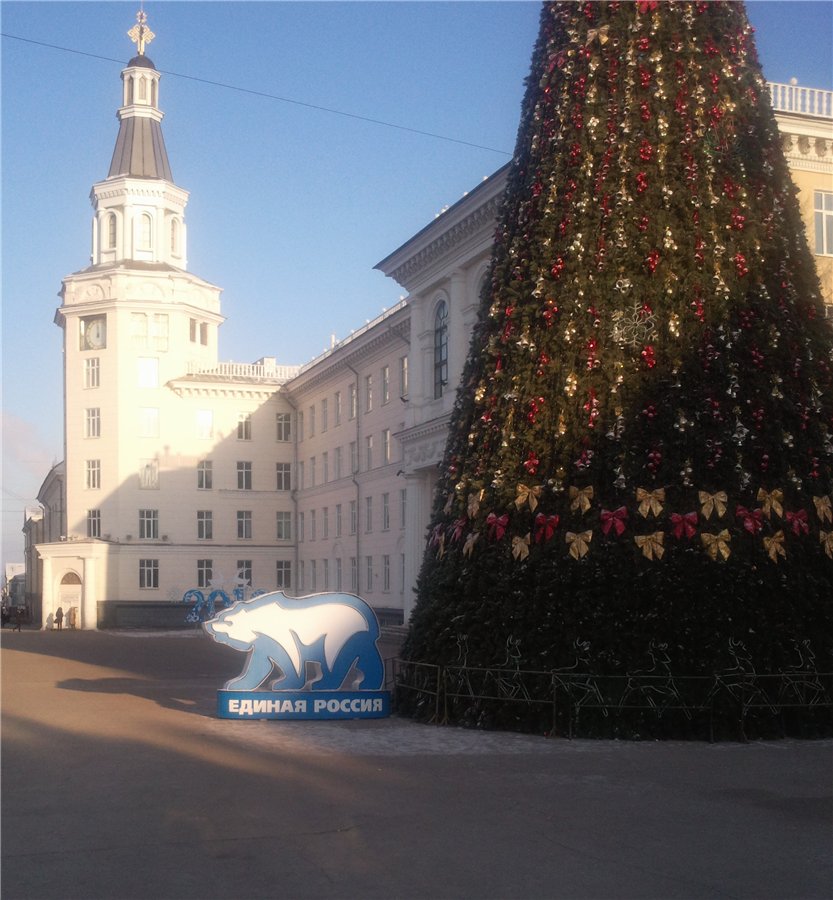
[258,371]
[807,101]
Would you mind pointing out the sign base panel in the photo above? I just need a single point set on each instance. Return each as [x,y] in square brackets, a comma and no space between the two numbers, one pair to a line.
[303,704]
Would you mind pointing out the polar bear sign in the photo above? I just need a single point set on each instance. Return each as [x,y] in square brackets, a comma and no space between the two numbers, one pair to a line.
[313,657]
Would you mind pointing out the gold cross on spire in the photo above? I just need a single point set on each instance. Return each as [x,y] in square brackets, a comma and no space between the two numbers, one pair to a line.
[140,34]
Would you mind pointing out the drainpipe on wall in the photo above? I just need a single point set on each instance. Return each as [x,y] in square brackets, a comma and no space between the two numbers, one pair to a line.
[356,483]
[294,492]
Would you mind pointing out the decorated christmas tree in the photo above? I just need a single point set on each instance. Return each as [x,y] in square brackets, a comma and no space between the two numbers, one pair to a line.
[641,451]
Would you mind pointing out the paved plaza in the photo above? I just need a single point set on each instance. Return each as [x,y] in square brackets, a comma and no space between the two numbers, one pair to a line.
[119,782]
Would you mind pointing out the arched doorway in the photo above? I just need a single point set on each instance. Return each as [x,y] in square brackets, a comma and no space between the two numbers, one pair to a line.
[69,601]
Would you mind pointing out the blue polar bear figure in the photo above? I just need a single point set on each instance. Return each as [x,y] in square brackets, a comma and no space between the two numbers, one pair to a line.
[333,630]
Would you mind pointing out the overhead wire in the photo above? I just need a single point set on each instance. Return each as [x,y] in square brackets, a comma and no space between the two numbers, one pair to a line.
[268,96]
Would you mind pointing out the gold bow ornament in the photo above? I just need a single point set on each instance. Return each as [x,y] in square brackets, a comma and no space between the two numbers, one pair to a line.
[579,543]
[710,503]
[471,540]
[717,545]
[772,501]
[473,506]
[774,546]
[528,495]
[826,538]
[823,509]
[520,546]
[651,545]
[600,33]
[650,501]
[580,498]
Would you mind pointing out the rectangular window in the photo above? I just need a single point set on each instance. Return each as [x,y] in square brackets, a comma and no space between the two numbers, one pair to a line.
[823,213]
[205,475]
[402,573]
[354,458]
[139,329]
[386,573]
[325,574]
[368,563]
[301,527]
[337,408]
[92,372]
[368,446]
[149,475]
[283,574]
[147,375]
[313,520]
[283,476]
[283,425]
[205,525]
[244,476]
[338,574]
[93,481]
[325,467]
[204,333]
[300,416]
[159,331]
[368,514]
[148,422]
[354,574]
[148,574]
[386,446]
[92,422]
[312,471]
[324,415]
[403,377]
[312,421]
[385,512]
[368,393]
[385,384]
[313,575]
[244,427]
[244,524]
[351,401]
[244,571]
[325,522]
[93,523]
[338,520]
[284,525]
[301,575]
[354,517]
[402,497]
[205,424]
[337,463]
[192,330]
[205,572]
[300,481]
[148,524]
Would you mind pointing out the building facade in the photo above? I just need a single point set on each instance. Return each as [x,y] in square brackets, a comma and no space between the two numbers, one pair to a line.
[184,474]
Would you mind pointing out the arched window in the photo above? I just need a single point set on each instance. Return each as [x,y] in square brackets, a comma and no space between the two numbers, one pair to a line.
[440,348]
[153,94]
[111,231]
[145,231]
[175,237]
[143,95]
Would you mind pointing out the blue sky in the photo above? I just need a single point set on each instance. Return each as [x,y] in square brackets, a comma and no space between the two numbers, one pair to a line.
[291,207]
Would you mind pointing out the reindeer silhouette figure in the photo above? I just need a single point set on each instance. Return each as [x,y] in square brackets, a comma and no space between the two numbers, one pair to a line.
[801,685]
[580,687]
[661,691]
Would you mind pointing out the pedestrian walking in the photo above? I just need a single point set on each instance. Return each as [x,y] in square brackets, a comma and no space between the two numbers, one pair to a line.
[59,617]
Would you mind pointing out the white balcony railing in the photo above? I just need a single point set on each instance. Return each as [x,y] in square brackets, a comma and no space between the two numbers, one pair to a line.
[255,371]
[793,98]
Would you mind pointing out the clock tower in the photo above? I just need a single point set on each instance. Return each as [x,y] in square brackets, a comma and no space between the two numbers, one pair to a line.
[134,321]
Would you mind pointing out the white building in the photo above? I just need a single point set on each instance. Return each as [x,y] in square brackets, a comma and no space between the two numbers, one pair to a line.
[182,473]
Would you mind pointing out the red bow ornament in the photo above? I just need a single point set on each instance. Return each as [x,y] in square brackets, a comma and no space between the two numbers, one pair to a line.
[497,525]
[545,527]
[457,527]
[685,524]
[646,6]
[753,519]
[798,521]
[615,519]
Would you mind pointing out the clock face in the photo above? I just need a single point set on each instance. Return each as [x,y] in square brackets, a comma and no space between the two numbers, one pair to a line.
[93,332]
